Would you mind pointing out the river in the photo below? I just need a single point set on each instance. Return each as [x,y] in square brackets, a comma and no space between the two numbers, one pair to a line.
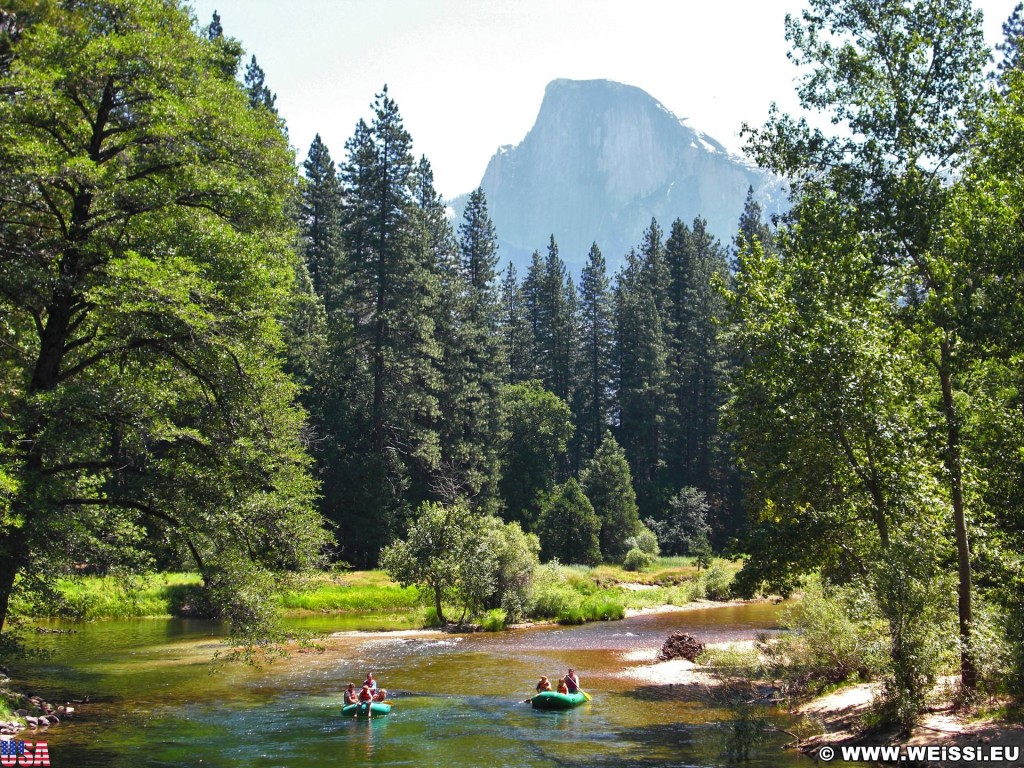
[458,699]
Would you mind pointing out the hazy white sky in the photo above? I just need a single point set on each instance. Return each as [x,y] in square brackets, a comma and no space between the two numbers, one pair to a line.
[469,75]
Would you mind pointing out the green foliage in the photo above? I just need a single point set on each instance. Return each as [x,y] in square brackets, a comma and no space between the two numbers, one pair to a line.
[472,361]
[383,378]
[609,487]
[537,428]
[871,368]
[593,400]
[834,634]
[638,560]
[550,301]
[685,527]
[465,559]
[516,561]
[147,382]
[568,526]
[441,554]
[699,454]
[717,583]
[642,376]
[495,620]
[516,334]
[646,541]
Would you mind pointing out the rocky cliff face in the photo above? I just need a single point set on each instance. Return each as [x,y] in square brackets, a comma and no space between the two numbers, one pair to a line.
[601,160]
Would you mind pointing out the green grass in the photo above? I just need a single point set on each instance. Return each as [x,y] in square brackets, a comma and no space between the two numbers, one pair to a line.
[352,593]
[93,597]
[570,594]
[574,594]
[170,594]
[6,708]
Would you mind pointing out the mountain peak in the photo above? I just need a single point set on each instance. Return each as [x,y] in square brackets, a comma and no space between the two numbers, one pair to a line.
[601,160]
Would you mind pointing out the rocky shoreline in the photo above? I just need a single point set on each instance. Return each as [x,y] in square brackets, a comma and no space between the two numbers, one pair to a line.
[33,713]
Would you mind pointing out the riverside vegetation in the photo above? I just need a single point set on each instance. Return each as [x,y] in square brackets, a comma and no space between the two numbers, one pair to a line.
[566,594]
[214,363]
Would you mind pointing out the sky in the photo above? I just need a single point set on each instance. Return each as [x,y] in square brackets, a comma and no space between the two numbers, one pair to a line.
[469,75]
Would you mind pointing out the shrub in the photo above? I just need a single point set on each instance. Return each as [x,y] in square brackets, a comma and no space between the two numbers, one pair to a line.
[430,617]
[638,560]
[717,583]
[552,596]
[495,620]
[834,635]
[604,608]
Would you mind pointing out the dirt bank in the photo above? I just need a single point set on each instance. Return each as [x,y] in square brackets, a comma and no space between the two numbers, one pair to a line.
[841,714]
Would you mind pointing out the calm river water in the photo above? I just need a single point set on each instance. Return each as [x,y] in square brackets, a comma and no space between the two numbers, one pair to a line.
[458,700]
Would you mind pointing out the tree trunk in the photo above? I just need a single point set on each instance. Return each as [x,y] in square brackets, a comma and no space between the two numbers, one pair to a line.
[954,468]
[437,605]
[10,563]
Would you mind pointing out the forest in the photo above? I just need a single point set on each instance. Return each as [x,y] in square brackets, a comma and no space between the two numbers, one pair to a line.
[217,357]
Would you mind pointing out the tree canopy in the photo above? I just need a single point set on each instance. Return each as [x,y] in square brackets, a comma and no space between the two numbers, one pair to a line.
[145,265]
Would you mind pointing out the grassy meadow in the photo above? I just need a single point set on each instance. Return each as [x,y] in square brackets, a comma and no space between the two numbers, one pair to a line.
[569,594]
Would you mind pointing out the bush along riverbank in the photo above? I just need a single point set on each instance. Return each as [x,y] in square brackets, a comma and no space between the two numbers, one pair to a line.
[832,667]
[567,594]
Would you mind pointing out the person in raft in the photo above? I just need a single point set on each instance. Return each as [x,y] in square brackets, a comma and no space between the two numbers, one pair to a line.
[351,697]
[561,685]
[365,695]
[543,684]
[572,681]
[379,694]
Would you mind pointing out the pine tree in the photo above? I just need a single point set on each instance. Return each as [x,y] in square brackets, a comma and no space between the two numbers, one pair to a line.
[642,382]
[391,304]
[568,527]
[320,221]
[533,305]
[553,307]
[516,334]
[255,85]
[698,360]
[474,359]
[1012,44]
[215,30]
[751,227]
[656,272]
[228,51]
[609,486]
[595,380]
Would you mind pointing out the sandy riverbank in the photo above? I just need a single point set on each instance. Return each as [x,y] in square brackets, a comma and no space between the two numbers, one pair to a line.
[838,718]
[695,605]
[841,714]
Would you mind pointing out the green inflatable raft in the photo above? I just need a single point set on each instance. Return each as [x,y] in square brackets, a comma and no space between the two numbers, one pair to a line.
[555,700]
[372,709]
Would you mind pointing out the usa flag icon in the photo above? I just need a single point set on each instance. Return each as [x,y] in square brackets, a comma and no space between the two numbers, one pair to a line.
[11,748]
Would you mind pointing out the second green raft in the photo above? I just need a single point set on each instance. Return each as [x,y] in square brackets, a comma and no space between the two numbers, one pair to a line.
[554,700]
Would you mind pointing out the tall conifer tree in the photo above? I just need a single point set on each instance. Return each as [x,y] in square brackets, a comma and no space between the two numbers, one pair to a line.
[474,362]
[320,221]
[595,382]
[642,382]
[260,94]
[516,334]
[391,302]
